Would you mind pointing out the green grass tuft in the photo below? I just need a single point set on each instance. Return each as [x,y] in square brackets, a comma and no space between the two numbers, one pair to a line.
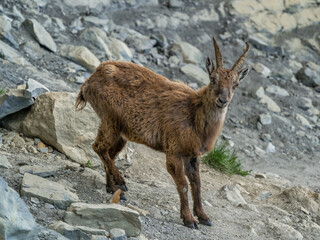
[89,165]
[2,91]
[224,160]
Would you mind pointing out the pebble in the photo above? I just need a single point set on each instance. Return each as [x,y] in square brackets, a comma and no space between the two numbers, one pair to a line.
[117,234]
[265,119]
[270,148]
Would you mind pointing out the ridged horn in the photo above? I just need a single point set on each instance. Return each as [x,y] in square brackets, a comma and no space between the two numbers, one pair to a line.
[219,60]
[240,61]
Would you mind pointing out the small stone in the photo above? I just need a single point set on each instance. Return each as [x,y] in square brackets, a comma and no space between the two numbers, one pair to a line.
[277,90]
[32,149]
[260,92]
[18,141]
[207,203]
[270,104]
[264,195]
[301,119]
[266,137]
[34,89]
[265,119]
[41,145]
[270,148]
[35,200]
[260,175]
[175,3]
[309,75]
[118,234]
[4,163]
[260,68]
[232,193]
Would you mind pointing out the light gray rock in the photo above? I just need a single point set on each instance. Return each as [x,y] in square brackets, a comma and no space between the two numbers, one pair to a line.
[18,141]
[309,75]
[16,222]
[190,54]
[13,101]
[105,216]
[196,73]
[12,55]
[92,4]
[301,119]
[140,42]
[270,148]
[205,15]
[277,90]
[70,232]
[4,163]
[119,50]
[40,34]
[260,68]
[55,121]
[34,89]
[175,3]
[118,234]
[232,193]
[96,37]
[265,119]
[80,55]
[272,105]
[284,231]
[39,170]
[47,191]
[33,50]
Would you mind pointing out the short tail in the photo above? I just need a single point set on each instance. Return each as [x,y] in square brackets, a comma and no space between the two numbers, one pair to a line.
[80,102]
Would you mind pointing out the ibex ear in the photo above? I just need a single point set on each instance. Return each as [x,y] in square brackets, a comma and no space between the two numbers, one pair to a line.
[209,65]
[243,73]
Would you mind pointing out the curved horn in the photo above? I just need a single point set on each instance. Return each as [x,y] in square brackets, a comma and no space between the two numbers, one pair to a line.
[240,61]
[219,60]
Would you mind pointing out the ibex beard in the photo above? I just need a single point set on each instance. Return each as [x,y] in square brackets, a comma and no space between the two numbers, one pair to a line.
[138,105]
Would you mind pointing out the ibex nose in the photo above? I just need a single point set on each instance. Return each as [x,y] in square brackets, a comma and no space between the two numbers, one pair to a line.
[223,101]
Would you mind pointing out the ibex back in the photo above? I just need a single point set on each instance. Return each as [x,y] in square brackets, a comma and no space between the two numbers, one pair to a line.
[136,104]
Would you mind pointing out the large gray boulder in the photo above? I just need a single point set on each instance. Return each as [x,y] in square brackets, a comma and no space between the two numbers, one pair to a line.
[16,222]
[104,216]
[55,121]
[47,191]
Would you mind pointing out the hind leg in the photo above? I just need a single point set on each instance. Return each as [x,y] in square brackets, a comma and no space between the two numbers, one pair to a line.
[107,145]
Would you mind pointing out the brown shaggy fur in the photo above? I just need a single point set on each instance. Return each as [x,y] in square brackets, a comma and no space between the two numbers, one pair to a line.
[139,105]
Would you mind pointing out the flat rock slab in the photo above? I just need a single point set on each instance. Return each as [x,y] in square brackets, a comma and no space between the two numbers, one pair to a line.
[47,191]
[42,171]
[104,216]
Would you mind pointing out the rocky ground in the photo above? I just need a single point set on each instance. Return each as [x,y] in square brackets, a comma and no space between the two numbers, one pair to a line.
[273,121]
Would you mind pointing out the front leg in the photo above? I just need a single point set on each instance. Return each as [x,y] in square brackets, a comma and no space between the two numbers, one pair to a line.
[193,174]
[175,167]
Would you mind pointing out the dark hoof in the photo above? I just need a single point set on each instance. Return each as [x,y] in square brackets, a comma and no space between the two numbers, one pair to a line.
[205,222]
[109,190]
[122,187]
[193,225]
[123,197]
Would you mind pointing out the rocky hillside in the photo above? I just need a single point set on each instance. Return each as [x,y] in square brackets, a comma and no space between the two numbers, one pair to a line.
[48,49]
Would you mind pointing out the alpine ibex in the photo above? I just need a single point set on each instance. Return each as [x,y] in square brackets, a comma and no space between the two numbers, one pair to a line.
[136,104]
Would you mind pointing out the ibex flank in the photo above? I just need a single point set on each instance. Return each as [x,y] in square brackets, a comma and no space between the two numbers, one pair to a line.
[136,104]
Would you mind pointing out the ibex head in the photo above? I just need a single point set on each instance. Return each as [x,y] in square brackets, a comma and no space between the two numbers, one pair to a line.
[223,82]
